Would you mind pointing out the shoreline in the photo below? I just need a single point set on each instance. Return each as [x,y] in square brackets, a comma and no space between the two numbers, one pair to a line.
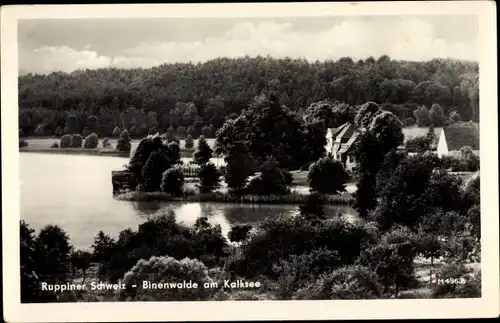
[92,152]
[219,197]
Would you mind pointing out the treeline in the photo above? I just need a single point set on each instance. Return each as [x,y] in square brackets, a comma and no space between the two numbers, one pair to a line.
[198,98]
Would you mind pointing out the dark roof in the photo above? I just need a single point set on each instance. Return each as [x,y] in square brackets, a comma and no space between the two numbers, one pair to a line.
[458,136]
[348,129]
[336,131]
[350,145]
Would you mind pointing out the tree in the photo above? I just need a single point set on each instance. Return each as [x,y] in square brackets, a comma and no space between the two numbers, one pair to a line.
[172,182]
[269,181]
[123,143]
[366,113]
[106,143]
[72,126]
[321,112]
[91,141]
[29,277]
[327,176]
[65,141]
[76,141]
[152,172]
[422,116]
[189,144]
[209,178]
[370,156]
[239,232]
[436,115]
[52,252]
[239,165]
[102,247]
[174,153]
[203,154]
[40,130]
[388,130]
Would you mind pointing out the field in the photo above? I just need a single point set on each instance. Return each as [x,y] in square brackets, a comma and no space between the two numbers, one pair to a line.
[45,143]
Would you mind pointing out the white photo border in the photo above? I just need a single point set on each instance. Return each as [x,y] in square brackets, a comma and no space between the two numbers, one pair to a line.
[486,306]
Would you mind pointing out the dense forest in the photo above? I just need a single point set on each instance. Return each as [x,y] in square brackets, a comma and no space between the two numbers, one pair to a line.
[199,98]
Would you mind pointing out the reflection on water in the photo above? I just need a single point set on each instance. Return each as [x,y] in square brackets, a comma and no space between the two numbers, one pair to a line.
[74,191]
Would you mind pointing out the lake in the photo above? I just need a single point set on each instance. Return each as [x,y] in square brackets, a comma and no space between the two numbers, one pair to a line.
[75,192]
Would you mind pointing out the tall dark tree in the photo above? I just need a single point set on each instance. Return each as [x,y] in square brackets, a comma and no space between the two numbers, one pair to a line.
[239,166]
[203,153]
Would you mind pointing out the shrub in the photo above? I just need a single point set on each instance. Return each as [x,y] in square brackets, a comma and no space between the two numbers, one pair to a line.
[172,182]
[351,282]
[134,132]
[123,143]
[169,271]
[54,145]
[65,141]
[106,143]
[85,132]
[189,144]
[76,141]
[23,143]
[327,176]
[297,271]
[91,141]
[209,178]
[313,208]
[204,152]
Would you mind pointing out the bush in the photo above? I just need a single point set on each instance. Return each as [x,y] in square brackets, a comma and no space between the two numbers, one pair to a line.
[167,270]
[85,132]
[65,141]
[54,145]
[172,182]
[76,141]
[40,130]
[327,176]
[106,143]
[298,271]
[409,122]
[152,131]
[209,178]
[189,144]
[80,260]
[123,143]
[91,141]
[351,282]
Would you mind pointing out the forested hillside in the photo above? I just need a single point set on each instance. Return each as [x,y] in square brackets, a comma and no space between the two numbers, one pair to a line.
[198,98]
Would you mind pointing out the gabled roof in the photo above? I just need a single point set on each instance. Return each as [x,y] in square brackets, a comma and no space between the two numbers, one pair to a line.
[460,135]
[336,131]
[350,145]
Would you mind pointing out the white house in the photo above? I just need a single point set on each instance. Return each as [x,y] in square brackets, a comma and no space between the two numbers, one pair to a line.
[456,136]
[341,143]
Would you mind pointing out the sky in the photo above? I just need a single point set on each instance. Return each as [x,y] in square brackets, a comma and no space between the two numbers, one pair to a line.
[65,45]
